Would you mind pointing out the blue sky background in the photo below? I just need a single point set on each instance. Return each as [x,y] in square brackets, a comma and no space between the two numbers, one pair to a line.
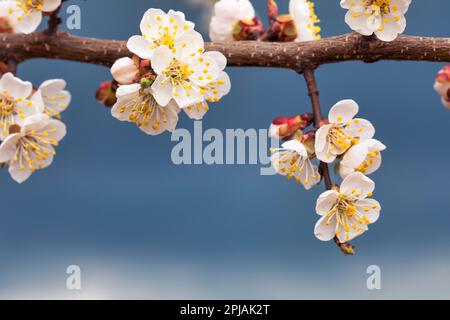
[141,227]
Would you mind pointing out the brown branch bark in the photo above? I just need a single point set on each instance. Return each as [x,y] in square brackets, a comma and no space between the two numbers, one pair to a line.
[295,56]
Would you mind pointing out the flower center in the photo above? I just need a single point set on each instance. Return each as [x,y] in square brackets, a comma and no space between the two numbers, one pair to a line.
[379,7]
[32,5]
[33,149]
[143,110]
[338,138]
[178,73]
[347,214]
[166,39]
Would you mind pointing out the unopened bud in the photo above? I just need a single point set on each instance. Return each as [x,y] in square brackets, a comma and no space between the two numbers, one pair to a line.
[442,85]
[106,93]
[284,127]
[309,140]
[5,26]
[248,29]
[3,68]
[125,71]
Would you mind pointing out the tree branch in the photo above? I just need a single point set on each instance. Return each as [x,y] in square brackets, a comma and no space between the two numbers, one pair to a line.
[297,56]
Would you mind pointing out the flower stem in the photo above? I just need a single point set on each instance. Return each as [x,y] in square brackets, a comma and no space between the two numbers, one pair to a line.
[313,92]
[12,66]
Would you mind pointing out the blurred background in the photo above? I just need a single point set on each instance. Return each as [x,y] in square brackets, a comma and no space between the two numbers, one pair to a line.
[142,228]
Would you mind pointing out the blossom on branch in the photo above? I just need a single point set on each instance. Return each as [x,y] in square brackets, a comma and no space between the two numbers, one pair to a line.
[187,75]
[293,161]
[234,20]
[442,85]
[135,103]
[24,16]
[159,28]
[384,18]
[305,19]
[364,157]
[54,96]
[347,212]
[30,147]
[342,131]
[15,103]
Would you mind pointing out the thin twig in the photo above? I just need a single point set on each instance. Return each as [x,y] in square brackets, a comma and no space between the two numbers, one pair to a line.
[53,22]
[12,66]
[313,92]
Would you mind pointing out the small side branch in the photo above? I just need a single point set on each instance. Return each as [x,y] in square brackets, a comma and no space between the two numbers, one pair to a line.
[53,22]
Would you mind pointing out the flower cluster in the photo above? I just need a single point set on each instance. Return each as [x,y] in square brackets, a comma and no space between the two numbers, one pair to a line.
[24,16]
[235,20]
[170,72]
[384,18]
[346,210]
[29,131]
[442,85]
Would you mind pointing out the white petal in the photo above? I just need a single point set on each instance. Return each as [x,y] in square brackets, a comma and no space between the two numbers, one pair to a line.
[343,111]
[162,90]
[50,5]
[357,185]
[321,138]
[326,201]
[355,156]
[188,45]
[296,146]
[218,57]
[370,208]
[360,128]
[161,59]
[8,147]
[127,90]
[140,47]
[197,111]
[324,230]
[15,87]
[19,175]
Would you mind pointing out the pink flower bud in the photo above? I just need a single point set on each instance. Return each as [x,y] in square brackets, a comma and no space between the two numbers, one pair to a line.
[285,127]
[106,93]
[5,26]
[442,85]
[125,71]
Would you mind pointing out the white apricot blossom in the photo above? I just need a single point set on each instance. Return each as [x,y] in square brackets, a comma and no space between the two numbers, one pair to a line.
[15,104]
[384,18]
[342,132]
[364,157]
[189,75]
[54,96]
[347,213]
[31,147]
[159,28]
[305,18]
[227,14]
[292,160]
[125,70]
[137,104]
[24,16]
[442,85]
